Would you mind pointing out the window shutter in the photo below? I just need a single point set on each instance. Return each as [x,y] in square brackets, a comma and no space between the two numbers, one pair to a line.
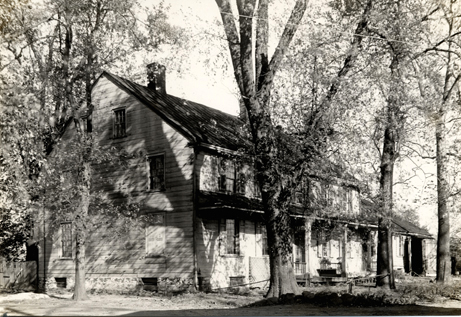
[127,122]
[111,125]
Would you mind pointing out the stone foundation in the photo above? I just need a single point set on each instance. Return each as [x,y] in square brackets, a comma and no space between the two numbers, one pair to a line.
[119,285]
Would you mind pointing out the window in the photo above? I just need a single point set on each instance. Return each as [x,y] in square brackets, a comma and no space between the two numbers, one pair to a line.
[261,231]
[241,180]
[323,246]
[66,239]
[157,172]
[265,245]
[119,123]
[155,235]
[230,236]
[226,176]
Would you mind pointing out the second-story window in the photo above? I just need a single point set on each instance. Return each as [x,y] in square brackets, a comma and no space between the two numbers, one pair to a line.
[156,172]
[119,123]
[240,180]
[226,178]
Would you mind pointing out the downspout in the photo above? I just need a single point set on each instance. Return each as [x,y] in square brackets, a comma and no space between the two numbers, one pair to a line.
[195,189]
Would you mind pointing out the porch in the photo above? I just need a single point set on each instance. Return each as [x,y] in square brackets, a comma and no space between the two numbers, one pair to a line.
[325,250]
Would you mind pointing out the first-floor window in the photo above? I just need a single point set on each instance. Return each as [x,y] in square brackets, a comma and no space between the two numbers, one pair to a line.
[262,232]
[155,235]
[230,235]
[66,239]
[265,245]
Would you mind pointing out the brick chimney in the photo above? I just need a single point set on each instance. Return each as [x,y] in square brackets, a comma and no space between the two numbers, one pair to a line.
[156,77]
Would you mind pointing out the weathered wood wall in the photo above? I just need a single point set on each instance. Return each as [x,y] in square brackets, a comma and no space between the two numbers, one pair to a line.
[108,252]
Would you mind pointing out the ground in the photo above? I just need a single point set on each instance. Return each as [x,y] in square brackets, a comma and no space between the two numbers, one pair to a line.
[198,304]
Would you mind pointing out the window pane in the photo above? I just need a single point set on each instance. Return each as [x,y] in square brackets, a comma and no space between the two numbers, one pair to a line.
[265,247]
[119,123]
[157,172]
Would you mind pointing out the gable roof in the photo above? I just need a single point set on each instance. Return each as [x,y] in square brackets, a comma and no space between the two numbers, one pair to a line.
[201,124]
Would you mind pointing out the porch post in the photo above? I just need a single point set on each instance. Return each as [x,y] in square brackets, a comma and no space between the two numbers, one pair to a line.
[307,244]
[409,255]
[344,255]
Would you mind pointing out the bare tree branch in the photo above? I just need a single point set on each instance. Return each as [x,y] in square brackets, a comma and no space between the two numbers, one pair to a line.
[233,39]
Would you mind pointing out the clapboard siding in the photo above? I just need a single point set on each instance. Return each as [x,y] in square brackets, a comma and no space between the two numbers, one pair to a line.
[107,252]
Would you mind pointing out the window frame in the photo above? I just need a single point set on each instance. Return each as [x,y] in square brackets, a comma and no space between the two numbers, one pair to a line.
[149,157]
[240,179]
[115,123]
[226,174]
[261,230]
[230,248]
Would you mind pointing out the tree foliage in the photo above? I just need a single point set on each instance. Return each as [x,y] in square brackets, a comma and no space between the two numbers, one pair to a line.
[58,48]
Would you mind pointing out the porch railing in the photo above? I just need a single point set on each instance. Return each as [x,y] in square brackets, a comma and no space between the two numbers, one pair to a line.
[300,268]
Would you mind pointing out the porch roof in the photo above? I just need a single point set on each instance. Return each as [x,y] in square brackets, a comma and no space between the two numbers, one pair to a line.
[404,226]
[219,205]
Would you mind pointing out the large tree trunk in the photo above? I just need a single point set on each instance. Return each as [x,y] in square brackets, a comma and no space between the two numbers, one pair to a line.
[443,238]
[282,279]
[389,155]
[384,260]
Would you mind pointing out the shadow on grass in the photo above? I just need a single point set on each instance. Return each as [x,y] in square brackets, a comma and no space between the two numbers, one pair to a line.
[307,310]
[16,312]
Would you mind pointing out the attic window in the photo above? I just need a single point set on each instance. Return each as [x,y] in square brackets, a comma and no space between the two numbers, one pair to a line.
[119,123]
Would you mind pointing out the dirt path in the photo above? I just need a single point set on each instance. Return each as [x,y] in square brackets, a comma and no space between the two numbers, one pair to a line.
[196,305]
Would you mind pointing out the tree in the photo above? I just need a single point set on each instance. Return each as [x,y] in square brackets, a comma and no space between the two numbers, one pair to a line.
[279,159]
[21,153]
[440,89]
[68,49]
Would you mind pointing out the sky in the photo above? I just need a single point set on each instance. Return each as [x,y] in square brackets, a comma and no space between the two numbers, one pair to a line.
[200,83]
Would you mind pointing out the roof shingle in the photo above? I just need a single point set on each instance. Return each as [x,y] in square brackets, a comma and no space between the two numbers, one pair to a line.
[200,123]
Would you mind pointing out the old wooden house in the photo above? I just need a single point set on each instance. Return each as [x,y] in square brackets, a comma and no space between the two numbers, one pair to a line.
[188,173]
